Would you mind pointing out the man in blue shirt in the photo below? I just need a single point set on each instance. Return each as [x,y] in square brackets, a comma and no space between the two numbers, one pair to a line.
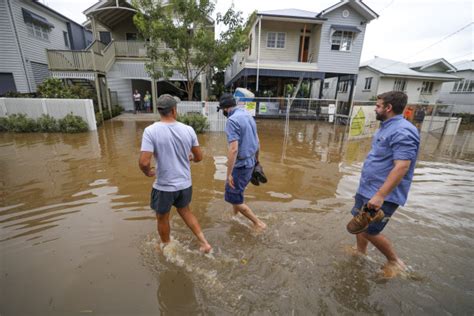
[387,173]
[243,146]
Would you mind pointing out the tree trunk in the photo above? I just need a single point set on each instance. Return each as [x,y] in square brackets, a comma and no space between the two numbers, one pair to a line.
[190,89]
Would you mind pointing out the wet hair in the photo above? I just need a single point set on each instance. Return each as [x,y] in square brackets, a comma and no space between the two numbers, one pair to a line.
[166,111]
[397,99]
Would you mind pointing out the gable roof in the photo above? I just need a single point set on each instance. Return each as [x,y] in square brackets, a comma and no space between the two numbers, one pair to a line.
[464,65]
[422,65]
[294,13]
[393,68]
[357,5]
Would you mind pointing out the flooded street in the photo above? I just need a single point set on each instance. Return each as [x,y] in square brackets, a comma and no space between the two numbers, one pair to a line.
[77,235]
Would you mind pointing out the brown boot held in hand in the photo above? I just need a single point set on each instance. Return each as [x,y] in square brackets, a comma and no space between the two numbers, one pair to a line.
[361,221]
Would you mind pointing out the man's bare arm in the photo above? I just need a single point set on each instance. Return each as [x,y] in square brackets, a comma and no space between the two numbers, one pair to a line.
[396,175]
[197,154]
[144,163]
[231,158]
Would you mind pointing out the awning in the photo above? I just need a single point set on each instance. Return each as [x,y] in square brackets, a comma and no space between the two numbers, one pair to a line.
[29,16]
[346,28]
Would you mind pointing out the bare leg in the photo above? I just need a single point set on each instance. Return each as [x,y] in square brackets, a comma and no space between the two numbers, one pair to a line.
[385,247]
[193,224]
[247,212]
[362,244]
[163,224]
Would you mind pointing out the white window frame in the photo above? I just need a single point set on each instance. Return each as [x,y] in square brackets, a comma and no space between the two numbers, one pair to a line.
[278,37]
[463,86]
[343,86]
[427,87]
[368,83]
[66,39]
[400,85]
[37,31]
[343,39]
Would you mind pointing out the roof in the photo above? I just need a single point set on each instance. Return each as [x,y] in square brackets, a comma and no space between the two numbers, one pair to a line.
[390,67]
[464,65]
[294,13]
[357,5]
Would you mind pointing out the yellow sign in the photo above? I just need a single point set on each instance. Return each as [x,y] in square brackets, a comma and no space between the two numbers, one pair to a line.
[358,123]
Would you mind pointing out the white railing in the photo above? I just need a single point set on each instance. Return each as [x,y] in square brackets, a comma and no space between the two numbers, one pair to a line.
[130,49]
[57,108]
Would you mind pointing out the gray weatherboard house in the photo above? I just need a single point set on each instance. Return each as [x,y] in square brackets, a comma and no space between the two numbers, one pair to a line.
[27,29]
[286,45]
[460,93]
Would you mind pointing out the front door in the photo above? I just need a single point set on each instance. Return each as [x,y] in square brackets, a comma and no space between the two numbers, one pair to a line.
[303,57]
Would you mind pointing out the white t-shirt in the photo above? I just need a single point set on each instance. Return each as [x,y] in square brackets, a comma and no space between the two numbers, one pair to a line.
[137,97]
[171,145]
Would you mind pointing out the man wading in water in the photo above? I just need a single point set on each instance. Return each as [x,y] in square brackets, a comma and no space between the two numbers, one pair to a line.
[171,143]
[242,156]
[386,178]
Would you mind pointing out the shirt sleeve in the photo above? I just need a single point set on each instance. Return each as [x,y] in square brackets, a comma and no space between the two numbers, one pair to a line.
[232,130]
[194,139]
[147,143]
[405,146]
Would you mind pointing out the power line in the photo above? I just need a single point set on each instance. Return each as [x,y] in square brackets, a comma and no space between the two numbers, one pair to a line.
[436,43]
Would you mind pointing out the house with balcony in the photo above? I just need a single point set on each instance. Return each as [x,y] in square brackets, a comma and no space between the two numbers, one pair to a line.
[288,45]
[421,81]
[27,29]
[460,93]
[116,60]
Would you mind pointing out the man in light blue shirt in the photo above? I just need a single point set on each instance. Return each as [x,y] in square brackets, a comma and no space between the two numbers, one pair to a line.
[243,146]
[387,172]
[173,145]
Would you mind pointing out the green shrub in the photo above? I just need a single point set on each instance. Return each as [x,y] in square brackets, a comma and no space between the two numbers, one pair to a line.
[106,115]
[14,94]
[99,118]
[197,121]
[4,124]
[20,123]
[72,124]
[116,110]
[54,88]
[48,124]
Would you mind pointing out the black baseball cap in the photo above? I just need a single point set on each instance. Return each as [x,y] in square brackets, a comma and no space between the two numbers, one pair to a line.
[227,100]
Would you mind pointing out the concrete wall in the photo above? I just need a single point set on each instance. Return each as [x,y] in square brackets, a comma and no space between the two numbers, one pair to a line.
[57,108]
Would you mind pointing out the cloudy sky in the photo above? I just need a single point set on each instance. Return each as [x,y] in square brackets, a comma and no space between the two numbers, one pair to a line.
[407,30]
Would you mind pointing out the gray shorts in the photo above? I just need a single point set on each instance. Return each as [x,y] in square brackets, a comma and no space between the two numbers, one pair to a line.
[161,201]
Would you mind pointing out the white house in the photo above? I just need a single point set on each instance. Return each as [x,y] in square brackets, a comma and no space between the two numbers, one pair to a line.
[460,93]
[421,81]
[27,29]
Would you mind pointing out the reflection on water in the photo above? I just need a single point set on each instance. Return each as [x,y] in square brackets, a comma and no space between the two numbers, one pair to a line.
[77,235]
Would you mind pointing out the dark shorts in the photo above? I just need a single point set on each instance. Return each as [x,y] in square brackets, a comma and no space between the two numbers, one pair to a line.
[374,227]
[241,180]
[161,201]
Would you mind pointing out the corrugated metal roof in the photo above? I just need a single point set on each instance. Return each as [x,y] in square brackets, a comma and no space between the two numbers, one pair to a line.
[393,67]
[290,13]
[464,65]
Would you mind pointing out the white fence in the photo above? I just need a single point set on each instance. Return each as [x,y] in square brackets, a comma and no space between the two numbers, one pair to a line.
[208,109]
[57,108]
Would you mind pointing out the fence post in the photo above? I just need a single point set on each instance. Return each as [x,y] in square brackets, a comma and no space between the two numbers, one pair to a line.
[3,107]
[43,105]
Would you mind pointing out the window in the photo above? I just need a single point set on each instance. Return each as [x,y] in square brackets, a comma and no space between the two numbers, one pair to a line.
[37,30]
[342,41]
[105,37]
[326,85]
[368,83]
[427,87]
[131,36]
[466,86]
[275,40]
[66,38]
[343,85]
[399,85]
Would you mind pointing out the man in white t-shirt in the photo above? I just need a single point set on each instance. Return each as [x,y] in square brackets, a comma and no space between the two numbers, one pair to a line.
[137,100]
[173,145]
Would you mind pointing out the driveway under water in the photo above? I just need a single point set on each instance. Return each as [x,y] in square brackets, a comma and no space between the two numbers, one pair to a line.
[77,236]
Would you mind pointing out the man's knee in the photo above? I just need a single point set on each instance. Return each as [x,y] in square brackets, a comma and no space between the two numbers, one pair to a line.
[163,217]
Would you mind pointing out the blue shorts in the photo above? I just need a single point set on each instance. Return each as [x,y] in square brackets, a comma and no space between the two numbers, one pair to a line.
[388,209]
[161,201]
[241,180]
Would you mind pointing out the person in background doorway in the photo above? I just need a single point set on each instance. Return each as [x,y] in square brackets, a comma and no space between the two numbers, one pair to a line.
[147,100]
[419,117]
[173,145]
[137,99]
[243,146]
[386,175]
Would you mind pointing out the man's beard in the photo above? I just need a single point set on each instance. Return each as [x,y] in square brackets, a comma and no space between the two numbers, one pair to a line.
[380,117]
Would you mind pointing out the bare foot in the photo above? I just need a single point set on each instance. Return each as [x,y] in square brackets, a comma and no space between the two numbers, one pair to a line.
[352,250]
[260,226]
[205,248]
[393,268]
[161,246]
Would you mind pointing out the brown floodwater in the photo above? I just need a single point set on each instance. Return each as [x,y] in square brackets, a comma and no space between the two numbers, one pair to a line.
[77,236]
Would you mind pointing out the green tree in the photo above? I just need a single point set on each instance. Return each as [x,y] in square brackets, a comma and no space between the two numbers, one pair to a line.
[186,29]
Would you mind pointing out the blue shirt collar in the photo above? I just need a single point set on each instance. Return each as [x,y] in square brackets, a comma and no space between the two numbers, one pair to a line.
[232,111]
[391,120]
